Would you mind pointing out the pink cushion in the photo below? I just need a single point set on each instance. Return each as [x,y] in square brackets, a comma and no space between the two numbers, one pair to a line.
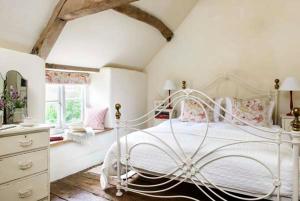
[95,118]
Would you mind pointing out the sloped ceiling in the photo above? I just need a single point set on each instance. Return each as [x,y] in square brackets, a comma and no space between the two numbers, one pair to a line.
[21,22]
[105,38]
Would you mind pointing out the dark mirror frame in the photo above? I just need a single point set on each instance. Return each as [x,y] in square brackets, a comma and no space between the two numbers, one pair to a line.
[3,86]
[1,96]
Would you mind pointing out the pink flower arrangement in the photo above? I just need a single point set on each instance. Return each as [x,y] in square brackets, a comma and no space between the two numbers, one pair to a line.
[2,104]
[13,99]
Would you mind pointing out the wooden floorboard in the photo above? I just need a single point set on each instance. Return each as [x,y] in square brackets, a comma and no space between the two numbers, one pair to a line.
[72,193]
[80,187]
[84,183]
[85,186]
[55,198]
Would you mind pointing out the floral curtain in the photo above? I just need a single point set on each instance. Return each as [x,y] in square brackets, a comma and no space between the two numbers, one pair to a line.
[58,77]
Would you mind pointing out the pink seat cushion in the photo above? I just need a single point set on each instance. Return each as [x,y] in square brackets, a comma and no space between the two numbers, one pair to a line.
[95,118]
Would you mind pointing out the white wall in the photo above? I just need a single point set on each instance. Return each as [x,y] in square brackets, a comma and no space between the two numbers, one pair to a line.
[113,85]
[129,88]
[32,68]
[256,40]
[98,95]
[22,22]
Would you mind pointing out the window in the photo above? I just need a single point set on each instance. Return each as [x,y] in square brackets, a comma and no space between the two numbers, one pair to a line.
[65,104]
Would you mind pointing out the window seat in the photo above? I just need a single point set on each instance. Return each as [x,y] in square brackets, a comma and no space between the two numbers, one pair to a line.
[65,140]
[68,157]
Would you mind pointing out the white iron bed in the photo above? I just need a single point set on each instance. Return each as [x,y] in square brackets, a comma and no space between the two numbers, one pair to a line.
[252,161]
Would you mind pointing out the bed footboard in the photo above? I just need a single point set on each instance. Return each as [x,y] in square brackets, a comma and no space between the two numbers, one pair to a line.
[296,147]
[189,167]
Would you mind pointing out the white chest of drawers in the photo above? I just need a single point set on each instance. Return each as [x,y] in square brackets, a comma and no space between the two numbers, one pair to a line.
[24,164]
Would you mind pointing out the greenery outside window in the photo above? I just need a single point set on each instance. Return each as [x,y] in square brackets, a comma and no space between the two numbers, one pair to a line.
[65,104]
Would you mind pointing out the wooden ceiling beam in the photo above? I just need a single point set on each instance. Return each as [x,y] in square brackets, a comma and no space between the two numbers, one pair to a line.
[67,10]
[71,68]
[72,9]
[141,15]
[93,7]
[50,33]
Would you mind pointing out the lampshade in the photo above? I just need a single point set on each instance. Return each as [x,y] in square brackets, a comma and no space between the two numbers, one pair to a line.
[169,85]
[290,84]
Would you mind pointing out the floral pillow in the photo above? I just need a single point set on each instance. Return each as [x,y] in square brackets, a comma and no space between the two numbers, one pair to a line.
[192,111]
[257,112]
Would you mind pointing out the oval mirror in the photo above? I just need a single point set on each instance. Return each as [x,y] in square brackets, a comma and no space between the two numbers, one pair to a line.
[16,97]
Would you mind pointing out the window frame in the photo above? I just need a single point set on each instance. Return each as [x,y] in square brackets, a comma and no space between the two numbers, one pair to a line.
[61,122]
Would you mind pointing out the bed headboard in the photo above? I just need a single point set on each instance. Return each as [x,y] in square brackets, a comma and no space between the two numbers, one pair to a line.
[229,85]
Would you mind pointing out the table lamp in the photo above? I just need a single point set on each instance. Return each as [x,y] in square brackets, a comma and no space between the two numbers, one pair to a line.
[169,85]
[290,84]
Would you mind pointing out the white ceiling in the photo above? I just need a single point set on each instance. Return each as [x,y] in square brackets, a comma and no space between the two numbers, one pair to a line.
[21,22]
[97,40]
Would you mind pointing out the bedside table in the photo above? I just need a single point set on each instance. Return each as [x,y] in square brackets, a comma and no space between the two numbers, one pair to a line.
[163,116]
[286,122]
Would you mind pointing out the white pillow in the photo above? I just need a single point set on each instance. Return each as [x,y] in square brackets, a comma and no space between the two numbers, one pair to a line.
[228,102]
[270,112]
[217,109]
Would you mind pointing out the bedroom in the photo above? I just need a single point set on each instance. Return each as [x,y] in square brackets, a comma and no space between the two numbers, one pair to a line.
[79,58]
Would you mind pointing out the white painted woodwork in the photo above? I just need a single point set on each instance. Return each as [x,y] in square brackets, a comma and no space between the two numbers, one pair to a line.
[32,188]
[70,157]
[24,142]
[24,164]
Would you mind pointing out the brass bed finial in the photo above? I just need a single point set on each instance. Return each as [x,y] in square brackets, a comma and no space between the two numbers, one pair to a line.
[276,83]
[183,84]
[296,123]
[118,113]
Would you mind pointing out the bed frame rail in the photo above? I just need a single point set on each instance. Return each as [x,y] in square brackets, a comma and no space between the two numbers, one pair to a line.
[188,169]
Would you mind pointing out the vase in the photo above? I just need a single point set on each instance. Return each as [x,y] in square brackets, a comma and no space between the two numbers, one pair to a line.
[18,115]
[1,118]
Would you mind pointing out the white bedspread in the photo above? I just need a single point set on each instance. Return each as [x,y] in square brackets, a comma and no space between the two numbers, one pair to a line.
[233,172]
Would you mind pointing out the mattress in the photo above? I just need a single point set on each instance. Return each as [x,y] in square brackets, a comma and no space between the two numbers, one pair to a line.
[239,172]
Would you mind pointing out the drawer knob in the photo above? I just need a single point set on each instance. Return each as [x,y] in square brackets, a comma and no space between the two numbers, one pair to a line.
[25,193]
[25,143]
[25,165]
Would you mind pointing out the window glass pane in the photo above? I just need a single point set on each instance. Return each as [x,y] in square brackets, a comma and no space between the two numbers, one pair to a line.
[73,91]
[73,110]
[73,103]
[72,106]
[52,112]
[52,92]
